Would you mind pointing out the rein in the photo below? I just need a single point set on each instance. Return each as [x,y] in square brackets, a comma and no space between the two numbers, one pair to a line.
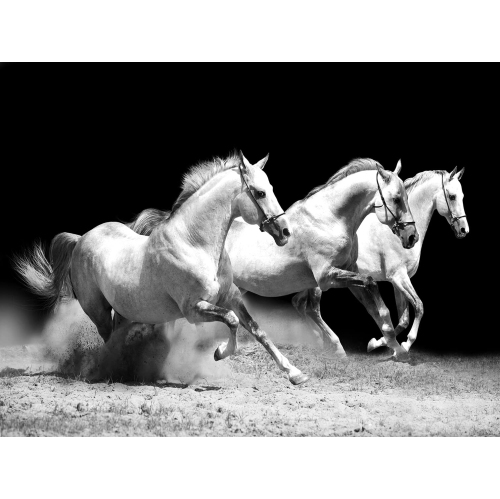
[453,218]
[398,224]
[267,219]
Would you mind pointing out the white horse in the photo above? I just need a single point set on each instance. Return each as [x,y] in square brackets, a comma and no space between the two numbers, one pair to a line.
[380,255]
[180,270]
[323,251]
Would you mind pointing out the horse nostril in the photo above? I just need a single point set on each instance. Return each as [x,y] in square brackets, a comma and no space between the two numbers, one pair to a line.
[286,232]
[462,230]
[412,238]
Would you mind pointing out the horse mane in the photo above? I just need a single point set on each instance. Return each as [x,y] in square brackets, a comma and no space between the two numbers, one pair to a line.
[199,174]
[147,220]
[412,182]
[354,166]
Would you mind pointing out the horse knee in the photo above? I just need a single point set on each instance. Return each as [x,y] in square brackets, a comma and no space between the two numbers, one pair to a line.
[388,331]
[232,320]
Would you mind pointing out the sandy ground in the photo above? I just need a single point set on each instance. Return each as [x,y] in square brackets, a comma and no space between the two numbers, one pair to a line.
[166,383]
[361,397]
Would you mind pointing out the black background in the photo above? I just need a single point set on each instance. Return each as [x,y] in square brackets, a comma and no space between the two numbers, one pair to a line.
[85,144]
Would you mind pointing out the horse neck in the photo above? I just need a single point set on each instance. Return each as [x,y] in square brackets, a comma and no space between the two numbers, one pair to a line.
[422,201]
[205,218]
[348,201]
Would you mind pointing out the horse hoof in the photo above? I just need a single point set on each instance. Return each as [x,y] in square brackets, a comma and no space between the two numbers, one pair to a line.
[298,379]
[372,344]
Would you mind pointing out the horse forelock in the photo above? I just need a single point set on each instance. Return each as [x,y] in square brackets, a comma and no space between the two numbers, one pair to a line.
[354,166]
[420,178]
[199,174]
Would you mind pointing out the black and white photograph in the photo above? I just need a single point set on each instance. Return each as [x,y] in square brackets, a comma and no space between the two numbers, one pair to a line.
[229,259]
[213,226]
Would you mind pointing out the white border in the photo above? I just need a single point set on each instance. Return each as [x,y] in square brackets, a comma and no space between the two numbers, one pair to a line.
[248,30]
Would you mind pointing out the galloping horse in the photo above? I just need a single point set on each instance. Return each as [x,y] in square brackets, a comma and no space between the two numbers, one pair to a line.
[323,251]
[381,256]
[181,270]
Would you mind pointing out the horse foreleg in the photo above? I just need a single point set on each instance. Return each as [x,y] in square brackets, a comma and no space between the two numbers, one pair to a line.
[404,320]
[295,376]
[405,287]
[204,311]
[376,307]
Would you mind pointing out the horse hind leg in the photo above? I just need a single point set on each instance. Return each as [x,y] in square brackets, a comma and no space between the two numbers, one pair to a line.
[313,311]
[99,311]
[300,304]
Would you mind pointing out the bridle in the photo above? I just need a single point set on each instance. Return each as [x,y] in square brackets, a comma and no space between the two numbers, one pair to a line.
[267,219]
[453,217]
[398,224]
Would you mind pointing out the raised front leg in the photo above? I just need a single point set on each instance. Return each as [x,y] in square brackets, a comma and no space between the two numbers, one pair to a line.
[404,320]
[204,311]
[307,304]
[295,376]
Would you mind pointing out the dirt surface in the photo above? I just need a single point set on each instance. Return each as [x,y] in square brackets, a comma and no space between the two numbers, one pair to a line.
[163,381]
[364,396]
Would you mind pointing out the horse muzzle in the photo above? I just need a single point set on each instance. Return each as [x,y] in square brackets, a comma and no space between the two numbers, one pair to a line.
[407,233]
[460,232]
[279,230]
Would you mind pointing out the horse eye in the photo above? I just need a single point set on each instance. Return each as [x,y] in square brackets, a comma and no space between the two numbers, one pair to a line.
[260,194]
[452,197]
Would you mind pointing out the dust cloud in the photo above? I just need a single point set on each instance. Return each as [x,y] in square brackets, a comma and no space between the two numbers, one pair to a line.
[177,352]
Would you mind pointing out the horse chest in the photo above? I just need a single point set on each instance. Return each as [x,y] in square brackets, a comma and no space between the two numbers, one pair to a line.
[337,249]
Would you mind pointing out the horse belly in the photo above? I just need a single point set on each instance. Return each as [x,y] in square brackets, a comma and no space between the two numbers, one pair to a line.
[274,280]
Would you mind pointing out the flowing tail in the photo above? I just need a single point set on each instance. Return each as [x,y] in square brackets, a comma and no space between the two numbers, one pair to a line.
[49,280]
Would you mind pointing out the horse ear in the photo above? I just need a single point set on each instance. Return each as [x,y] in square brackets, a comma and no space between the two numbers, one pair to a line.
[398,168]
[452,174]
[245,164]
[384,174]
[461,173]
[262,162]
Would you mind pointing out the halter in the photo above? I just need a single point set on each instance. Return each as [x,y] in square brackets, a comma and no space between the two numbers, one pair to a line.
[267,219]
[453,218]
[398,225]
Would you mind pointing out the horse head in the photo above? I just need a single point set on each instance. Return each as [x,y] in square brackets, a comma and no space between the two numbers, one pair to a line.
[258,204]
[392,206]
[450,202]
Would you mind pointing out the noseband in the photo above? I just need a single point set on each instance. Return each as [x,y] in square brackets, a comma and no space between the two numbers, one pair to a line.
[398,224]
[267,219]
[453,218]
